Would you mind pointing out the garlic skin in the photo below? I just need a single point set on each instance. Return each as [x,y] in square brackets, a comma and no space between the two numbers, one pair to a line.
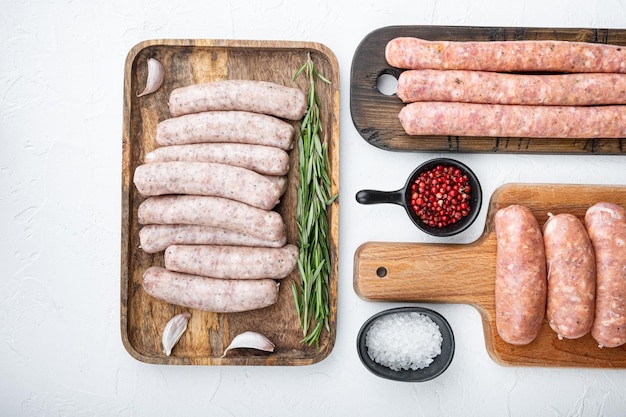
[173,331]
[250,340]
[156,75]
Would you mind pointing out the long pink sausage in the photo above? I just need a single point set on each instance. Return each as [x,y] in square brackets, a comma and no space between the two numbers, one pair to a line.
[225,127]
[495,120]
[506,56]
[212,211]
[209,294]
[268,160]
[207,178]
[248,95]
[157,237]
[232,262]
[501,88]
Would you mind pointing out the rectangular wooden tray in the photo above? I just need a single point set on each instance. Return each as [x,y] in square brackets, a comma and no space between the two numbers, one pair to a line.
[465,274]
[143,317]
[375,115]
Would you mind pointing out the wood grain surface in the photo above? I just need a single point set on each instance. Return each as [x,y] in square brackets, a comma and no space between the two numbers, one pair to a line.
[465,273]
[375,115]
[208,334]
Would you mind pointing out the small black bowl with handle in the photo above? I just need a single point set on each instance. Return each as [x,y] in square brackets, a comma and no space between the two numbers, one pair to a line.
[403,196]
[437,367]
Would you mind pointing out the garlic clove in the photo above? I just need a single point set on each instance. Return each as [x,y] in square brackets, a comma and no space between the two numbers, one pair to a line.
[251,340]
[173,331]
[156,75]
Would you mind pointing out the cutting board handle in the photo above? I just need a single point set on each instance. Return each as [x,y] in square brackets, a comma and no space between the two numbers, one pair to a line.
[426,272]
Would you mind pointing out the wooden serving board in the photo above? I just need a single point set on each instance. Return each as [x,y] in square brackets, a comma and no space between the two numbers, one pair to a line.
[375,115]
[465,273]
[208,334]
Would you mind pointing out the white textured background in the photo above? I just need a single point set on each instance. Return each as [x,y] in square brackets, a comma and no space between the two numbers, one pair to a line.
[61,83]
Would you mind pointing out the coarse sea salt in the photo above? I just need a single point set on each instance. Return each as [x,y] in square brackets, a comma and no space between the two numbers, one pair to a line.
[403,341]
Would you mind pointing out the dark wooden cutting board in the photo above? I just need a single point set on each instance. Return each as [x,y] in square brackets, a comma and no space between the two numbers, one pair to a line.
[375,115]
[465,273]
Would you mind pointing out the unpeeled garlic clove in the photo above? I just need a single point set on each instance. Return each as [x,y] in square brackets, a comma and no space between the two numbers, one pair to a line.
[251,340]
[156,74]
[173,331]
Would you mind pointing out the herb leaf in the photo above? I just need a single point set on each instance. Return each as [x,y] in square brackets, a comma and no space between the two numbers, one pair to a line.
[314,196]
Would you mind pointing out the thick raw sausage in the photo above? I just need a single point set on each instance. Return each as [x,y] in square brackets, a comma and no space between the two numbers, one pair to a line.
[232,262]
[520,287]
[280,181]
[506,56]
[606,224]
[268,160]
[248,95]
[212,211]
[500,88]
[496,120]
[225,127]
[570,262]
[207,178]
[209,294]
[155,238]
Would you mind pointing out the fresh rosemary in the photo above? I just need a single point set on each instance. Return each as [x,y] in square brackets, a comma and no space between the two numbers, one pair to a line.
[314,196]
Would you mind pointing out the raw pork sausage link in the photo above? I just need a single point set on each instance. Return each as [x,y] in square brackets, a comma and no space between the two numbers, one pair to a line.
[209,294]
[212,211]
[268,160]
[499,88]
[248,95]
[496,120]
[570,262]
[232,262]
[506,56]
[157,237]
[606,224]
[225,127]
[520,292]
[207,178]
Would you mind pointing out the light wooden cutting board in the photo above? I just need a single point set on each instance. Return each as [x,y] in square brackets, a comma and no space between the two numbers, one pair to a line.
[465,273]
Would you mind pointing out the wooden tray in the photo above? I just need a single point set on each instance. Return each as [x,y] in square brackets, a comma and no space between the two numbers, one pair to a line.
[375,115]
[143,317]
[465,273]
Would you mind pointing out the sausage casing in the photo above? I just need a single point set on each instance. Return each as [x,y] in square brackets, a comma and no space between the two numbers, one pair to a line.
[501,120]
[606,225]
[520,287]
[248,95]
[225,127]
[502,88]
[232,262]
[212,211]
[155,238]
[268,160]
[570,263]
[506,56]
[207,178]
[209,294]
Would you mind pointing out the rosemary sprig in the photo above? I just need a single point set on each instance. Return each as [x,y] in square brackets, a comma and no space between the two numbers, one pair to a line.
[314,188]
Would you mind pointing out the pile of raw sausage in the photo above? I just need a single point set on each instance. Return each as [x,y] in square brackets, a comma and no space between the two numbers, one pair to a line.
[210,191]
[550,89]
[572,273]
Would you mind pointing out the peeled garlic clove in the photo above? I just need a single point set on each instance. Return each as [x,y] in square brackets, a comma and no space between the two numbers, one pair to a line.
[156,74]
[173,331]
[251,340]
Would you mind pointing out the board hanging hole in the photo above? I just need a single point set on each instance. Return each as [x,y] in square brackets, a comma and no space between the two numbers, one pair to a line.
[381,271]
[387,84]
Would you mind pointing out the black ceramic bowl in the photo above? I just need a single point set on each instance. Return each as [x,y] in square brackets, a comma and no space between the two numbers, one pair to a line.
[402,197]
[437,367]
